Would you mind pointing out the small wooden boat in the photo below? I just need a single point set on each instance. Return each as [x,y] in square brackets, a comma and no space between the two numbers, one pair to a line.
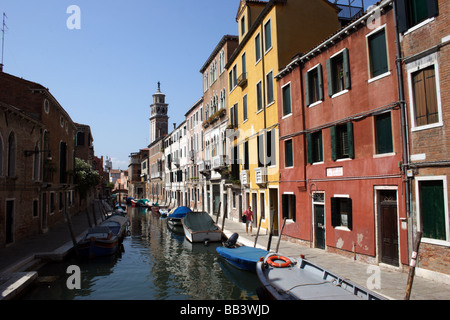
[285,278]
[103,240]
[200,227]
[179,213]
[244,257]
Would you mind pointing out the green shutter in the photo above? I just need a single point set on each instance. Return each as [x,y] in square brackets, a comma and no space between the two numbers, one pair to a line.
[383,133]
[335,212]
[320,80]
[433,8]
[307,99]
[310,148]
[329,78]
[378,54]
[402,19]
[333,143]
[347,78]
[349,213]
[351,148]
[432,209]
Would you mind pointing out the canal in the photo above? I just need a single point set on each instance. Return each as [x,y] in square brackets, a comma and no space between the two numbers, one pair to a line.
[156,263]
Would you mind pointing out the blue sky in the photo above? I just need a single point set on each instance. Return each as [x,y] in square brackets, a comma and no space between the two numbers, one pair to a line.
[105,73]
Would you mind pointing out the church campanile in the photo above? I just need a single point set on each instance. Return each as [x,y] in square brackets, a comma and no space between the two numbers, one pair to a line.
[159,121]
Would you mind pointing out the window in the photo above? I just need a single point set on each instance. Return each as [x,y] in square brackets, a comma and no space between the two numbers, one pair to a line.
[259,98]
[80,139]
[267,36]
[233,78]
[222,61]
[288,204]
[244,107]
[243,26]
[315,148]
[287,107]
[378,60]
[246,156]
[342,141]
[314,85]
[36,164]
[341,213]
[269,81]
[432,208]
[288,154]
[234,117]
[11,155]
[260,149]
[413,12]
[383,133]
[271,157]
[425,96]
[338,73]
[257,48]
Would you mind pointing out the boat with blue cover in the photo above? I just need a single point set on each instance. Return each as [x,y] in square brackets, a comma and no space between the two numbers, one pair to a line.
[244,257]
[179,213]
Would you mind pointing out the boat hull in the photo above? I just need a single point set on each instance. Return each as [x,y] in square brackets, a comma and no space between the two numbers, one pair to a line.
[98,248]
[199,227]
[202,236]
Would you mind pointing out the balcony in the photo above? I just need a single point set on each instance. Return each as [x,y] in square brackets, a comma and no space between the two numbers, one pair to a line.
[261,175]
[219,162]
[242,80]
[192,154]
[245,177]
[204,167]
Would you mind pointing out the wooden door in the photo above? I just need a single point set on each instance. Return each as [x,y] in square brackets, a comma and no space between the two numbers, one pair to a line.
[389,227]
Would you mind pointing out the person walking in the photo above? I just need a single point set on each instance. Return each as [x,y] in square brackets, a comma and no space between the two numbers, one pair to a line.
[249,219]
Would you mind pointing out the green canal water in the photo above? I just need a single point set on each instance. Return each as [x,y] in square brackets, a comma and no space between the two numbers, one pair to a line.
[156,263]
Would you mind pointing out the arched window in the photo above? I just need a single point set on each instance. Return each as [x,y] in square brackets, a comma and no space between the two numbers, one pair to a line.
[12,155]
[63,163]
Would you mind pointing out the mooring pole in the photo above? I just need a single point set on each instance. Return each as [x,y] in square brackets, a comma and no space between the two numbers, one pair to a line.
[412,265]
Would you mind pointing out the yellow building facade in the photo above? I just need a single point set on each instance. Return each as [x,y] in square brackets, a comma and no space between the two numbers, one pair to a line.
[270,34]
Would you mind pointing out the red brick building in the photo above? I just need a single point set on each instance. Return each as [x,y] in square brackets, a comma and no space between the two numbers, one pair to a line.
[37,157]
[341,148]
[424,38]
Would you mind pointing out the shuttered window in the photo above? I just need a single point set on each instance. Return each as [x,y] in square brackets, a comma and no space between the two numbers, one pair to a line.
[257,47]
[287,105]
[288,154]
[259,98]
[288,204]
[338,73]
[342,141]
[378,54]
[342,212]
[314,85]
[413,12]
[425,97]
[315,148]
[269,83]
[432,209]
[267,36]
[383,133]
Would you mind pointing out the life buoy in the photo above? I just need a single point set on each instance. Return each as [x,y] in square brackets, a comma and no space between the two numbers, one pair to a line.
[271,261]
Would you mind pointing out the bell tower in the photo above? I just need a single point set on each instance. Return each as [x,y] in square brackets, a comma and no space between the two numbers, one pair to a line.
[159,121]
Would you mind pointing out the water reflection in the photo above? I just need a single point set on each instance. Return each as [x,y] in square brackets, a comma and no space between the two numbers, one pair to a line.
[157,264]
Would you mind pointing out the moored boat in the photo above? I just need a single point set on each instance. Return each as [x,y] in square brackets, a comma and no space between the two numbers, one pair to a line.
[179,213]
[243,257]
[285,278]
[200,227]
[103,240]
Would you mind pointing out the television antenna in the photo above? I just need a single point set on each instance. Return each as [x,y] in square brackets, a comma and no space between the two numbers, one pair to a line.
[4,27]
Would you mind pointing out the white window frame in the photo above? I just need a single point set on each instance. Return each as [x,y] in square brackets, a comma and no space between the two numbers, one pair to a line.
[413,67]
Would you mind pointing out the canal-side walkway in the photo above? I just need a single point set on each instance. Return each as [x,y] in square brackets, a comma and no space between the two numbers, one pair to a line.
[16,260]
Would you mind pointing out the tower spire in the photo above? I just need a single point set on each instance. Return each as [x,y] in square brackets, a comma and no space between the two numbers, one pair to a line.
[4,27]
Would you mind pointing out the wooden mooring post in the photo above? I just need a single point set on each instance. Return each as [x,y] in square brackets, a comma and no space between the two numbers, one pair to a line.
[412,265]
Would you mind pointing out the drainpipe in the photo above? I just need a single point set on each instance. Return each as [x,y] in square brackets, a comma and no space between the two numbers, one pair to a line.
[405,129]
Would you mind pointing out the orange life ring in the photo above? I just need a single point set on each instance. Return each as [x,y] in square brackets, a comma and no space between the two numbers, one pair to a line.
[287,262]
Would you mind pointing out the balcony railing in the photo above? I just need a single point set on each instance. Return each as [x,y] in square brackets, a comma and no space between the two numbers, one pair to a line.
[242,80]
